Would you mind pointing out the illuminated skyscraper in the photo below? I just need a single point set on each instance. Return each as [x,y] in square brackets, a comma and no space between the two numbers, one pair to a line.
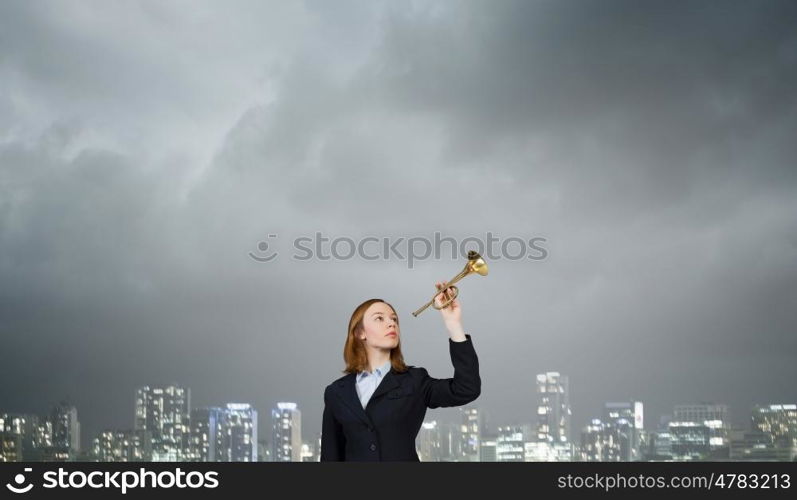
[309,453]
[286,433]
[779,421]
[700,431]
[553,408]
[488,447]
[237,441]
[35,435]
[10,447]
[469,435]
[65,429]
[164,412]
[226,434]
[204,434]
[772,437]
[429,443]
[122,446]
[509,444]
[440,441]
[610,441]
[626,421]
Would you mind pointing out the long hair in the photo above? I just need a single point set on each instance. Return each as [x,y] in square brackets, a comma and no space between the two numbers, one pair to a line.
[354,351]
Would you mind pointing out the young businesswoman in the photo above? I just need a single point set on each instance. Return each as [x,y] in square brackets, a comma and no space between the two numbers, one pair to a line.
[374,412]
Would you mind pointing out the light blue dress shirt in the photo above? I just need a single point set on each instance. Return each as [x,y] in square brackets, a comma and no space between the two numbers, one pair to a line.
[367,382]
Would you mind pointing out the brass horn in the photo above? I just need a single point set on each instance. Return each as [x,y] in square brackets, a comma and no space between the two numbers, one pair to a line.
[475,264]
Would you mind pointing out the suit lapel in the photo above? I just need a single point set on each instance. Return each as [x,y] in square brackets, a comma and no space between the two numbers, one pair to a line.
[389,381]
[348,393]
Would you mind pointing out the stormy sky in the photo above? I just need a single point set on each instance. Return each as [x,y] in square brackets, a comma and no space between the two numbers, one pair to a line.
[148,148]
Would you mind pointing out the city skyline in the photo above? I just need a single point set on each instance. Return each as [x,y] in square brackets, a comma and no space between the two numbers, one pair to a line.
[485,425]
[737,420]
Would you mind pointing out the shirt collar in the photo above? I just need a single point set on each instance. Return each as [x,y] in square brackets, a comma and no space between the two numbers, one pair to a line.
[379,370]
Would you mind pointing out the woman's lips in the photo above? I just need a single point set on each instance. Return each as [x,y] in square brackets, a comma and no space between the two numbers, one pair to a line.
[390,334]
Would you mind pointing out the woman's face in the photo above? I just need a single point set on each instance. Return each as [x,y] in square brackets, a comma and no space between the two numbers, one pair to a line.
[379,322]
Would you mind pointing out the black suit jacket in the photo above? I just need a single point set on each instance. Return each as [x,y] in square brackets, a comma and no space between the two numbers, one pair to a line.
[386,429]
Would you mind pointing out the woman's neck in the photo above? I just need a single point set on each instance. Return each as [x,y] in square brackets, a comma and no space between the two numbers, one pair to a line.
[377,358]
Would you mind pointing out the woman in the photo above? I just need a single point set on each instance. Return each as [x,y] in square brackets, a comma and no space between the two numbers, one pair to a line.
[375,411]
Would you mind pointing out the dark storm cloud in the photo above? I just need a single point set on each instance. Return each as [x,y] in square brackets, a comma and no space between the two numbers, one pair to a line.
[144,153]
[654,97]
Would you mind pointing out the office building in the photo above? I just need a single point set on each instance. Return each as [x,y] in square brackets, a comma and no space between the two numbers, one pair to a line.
[553,408]
[122,446]
[165,412]
[286,433]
